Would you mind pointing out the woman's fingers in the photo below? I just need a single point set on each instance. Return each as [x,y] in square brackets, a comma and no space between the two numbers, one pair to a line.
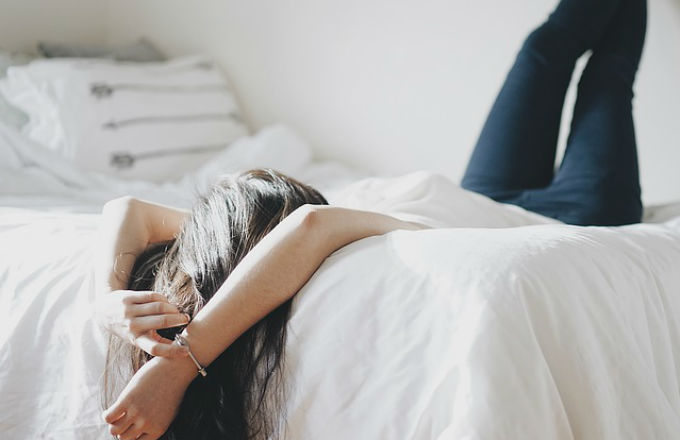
[151,308]
[121,425]
[159,348]
[140,297]
[113,413]
[132,432]
[143,324]
[141,315]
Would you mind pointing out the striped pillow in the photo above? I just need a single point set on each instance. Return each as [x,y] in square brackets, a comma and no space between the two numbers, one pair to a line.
[151,121]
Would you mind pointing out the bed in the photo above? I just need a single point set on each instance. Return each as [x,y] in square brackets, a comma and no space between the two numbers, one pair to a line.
[497,324]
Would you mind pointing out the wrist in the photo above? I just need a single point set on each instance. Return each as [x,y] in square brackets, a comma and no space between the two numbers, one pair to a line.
[180,369]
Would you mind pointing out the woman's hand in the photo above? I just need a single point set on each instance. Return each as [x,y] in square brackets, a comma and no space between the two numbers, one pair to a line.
[128,226]
[135,316]
[149,402]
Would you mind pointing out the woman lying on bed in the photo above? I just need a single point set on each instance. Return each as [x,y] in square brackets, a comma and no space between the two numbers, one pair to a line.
[227,270]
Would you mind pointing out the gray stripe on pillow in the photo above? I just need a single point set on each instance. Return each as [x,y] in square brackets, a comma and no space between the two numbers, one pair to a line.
[103,90]
[116,124]
[122,160]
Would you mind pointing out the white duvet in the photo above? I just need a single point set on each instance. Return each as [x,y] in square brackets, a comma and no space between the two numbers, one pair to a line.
[541,331]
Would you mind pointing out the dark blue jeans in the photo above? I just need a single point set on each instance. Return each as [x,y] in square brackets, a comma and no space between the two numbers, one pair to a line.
[514,159]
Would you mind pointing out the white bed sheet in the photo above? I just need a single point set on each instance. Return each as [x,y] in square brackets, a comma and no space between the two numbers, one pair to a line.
[539,331]
[545,331]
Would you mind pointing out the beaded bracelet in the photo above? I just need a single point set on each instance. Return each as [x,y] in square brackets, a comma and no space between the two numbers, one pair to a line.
[181,341]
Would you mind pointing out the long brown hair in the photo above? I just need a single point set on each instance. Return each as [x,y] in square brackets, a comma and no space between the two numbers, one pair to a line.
[225,224]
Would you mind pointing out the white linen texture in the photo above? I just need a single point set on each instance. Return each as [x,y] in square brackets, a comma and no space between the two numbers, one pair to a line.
[541,331]
[152,121]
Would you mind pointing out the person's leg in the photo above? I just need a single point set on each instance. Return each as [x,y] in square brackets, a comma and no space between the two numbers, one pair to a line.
[598,181]
[516,147]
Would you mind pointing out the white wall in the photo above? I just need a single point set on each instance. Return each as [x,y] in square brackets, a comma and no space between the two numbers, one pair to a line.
[390,85]
[657,105]
[25,22]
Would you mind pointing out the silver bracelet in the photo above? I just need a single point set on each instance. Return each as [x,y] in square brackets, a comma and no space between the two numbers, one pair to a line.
[181,340]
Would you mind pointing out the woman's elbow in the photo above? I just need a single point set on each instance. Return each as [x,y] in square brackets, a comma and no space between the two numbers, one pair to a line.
[307,218]
[124,203]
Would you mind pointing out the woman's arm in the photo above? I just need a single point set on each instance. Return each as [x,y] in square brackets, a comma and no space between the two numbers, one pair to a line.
[271,273]
[128,226]
[275,269]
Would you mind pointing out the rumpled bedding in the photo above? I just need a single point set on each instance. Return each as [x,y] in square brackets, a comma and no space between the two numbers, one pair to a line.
[522,328]
[536,332]
[544,331]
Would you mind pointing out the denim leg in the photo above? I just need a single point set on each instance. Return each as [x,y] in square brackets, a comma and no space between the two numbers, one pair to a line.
[516,148]
[598,181]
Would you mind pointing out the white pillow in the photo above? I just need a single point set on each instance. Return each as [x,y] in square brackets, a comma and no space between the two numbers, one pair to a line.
[152,121]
